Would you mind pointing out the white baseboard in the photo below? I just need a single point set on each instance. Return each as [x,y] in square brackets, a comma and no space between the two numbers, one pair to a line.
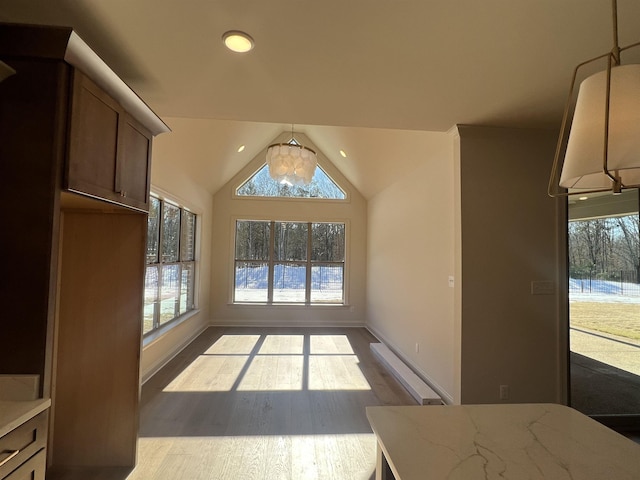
[268,324]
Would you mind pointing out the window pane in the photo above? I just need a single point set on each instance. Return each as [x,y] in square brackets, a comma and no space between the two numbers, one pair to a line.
[289,283]
[188,236]
[153,230]
[150,297]
[170,232]
[327,242]
[252,240]
[262,185]
[290,241]
[169,292]
[251,282]
[327,282]
[186,288]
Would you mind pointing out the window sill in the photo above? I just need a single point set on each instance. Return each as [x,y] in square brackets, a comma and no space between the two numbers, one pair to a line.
[154,335]
[290,305]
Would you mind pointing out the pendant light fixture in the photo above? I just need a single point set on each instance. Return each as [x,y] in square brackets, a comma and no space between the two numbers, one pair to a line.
[291,163]
[603,146]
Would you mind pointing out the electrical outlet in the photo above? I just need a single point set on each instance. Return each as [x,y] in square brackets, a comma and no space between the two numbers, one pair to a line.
[504,392]
[417,348]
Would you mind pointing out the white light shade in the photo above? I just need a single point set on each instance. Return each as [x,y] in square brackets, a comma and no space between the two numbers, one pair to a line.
[583,163]
[291,163]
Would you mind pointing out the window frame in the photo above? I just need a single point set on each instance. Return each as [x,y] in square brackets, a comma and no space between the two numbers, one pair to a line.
[271,262]
[184,263]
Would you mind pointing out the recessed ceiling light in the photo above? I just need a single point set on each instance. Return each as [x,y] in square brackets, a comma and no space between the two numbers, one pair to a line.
[240,148]
[584,198]
[343,153]
[237,41]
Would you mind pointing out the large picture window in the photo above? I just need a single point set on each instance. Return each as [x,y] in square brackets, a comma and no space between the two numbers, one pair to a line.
[289,262]
[170,271]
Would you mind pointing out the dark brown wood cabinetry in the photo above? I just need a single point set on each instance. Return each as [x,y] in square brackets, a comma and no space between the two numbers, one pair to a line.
[109,153]
[75,150]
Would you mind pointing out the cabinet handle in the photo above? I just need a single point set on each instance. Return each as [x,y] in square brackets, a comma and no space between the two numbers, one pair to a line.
[12,454]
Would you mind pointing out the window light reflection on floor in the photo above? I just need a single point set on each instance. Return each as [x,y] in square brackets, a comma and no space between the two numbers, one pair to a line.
[273,363]
[209,373]
[330,344]
[273,373]
[233,345]
[300,457]
[336,372]
[282,345]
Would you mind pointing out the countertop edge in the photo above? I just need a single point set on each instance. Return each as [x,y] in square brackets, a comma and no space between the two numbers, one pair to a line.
[15,413]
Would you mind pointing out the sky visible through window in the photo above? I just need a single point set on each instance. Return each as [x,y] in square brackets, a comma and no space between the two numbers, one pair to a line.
[262,185]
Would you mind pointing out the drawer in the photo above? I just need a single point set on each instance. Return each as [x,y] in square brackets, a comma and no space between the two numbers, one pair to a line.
[32,469]
[26,440]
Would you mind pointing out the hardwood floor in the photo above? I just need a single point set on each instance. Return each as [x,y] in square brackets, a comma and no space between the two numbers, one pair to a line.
[265,403]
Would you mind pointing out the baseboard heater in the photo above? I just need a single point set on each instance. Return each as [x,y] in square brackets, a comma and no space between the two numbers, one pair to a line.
[418,389]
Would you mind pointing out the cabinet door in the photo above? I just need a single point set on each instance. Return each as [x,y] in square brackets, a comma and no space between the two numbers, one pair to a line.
[93,140]
[134,161]
[109,151]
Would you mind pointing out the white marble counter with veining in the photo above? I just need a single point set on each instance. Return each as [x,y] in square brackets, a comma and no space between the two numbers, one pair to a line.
[507,441]
[15,413]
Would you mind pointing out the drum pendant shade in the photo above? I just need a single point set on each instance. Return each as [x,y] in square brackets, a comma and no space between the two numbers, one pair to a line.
[583,164]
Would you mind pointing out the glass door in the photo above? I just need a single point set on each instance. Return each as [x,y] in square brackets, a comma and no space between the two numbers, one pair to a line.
[604,306]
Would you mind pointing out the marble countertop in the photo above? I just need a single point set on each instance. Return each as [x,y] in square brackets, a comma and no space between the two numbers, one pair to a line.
[507,441]
[14,413]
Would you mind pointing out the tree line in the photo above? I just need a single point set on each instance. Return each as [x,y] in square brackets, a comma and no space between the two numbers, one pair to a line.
[290,242]
[605,248]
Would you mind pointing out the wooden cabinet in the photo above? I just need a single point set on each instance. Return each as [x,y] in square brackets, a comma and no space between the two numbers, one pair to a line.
[33,469]
[23,450]
[102,259]
[109,153]
[72,290]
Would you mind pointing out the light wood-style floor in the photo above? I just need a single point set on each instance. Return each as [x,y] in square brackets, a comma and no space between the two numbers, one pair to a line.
[264,404]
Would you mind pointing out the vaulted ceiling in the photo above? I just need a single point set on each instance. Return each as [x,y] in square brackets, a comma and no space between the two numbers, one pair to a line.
[358,75]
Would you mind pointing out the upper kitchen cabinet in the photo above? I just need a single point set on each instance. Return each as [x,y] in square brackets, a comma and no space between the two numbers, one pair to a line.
[109,152]
[107,130]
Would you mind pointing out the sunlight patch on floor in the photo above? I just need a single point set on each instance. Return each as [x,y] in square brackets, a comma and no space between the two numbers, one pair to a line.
[330,344]
[336,372]
[291,457]
[233,345]
[209,373]
[273,372]
[281,364]
[282,345]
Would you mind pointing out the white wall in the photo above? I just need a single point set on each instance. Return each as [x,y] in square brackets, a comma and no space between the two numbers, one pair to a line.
[410,256]
[169,178]
[479,210]
[227,209]
[511,233]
